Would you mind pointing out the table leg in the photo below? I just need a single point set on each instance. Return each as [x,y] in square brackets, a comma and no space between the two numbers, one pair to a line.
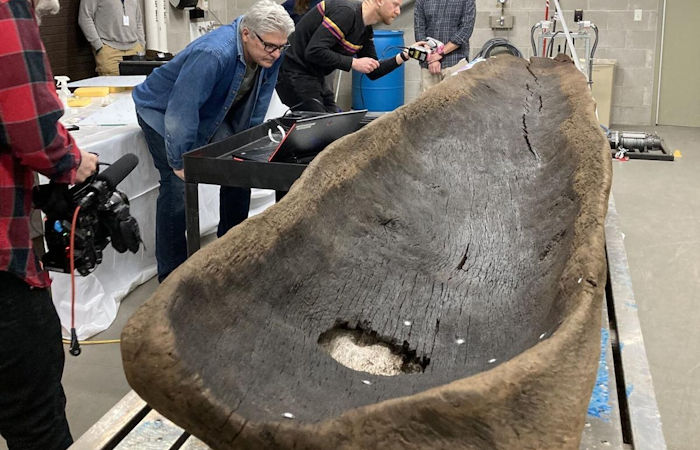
[192,217]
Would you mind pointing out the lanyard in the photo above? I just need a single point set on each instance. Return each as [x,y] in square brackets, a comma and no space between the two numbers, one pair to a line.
[125,18]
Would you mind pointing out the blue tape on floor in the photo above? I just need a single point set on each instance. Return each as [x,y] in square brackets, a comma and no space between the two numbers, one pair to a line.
[599,406]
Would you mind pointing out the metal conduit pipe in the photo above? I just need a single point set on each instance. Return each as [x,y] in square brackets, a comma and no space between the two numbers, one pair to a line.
[590,59]
[532,37]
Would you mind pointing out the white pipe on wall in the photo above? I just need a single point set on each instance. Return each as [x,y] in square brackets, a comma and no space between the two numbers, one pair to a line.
[156,17]
[661,64]
[162,18]
[151,25]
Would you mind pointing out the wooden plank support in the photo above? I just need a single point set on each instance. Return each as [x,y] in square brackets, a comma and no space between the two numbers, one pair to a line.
[113,426]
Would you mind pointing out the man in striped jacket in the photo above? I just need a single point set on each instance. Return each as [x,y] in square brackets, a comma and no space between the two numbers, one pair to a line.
[336,34]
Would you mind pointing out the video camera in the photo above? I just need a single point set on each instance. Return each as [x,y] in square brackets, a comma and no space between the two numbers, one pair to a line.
[103,218]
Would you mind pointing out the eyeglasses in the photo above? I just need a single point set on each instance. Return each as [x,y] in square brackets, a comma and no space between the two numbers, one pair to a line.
[271,48]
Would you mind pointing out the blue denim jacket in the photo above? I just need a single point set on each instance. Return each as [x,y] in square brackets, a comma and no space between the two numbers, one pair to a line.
[186,99]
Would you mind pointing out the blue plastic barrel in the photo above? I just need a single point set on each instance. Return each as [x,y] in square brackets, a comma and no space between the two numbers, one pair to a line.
[385,93]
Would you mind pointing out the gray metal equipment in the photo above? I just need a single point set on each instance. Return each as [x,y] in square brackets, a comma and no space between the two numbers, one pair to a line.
[637,145]
[543,44]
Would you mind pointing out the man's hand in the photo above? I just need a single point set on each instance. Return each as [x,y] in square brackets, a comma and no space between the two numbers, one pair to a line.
[434,57]
[180,173]
[88,166]
[434,67]
[364,65]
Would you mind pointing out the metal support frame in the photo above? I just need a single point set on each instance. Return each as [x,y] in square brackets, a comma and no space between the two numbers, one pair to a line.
[583,34]
[574,55]
[580,35]
[213,164]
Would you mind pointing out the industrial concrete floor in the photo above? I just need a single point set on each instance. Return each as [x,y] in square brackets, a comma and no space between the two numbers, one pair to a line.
[659,208]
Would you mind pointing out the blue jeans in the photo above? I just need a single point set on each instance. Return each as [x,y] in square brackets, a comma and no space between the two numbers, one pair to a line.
[171,244]
[32,402]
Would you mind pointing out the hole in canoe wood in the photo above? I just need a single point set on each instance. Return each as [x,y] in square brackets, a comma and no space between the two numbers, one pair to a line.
[365,351]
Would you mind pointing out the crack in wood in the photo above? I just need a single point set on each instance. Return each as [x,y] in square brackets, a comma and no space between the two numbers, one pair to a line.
[464,259]
[526,134]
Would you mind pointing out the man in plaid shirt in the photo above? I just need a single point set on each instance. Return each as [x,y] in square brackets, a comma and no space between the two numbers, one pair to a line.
[32,401]
[450,22]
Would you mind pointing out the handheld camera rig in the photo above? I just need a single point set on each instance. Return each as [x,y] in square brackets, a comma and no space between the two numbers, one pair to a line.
[103,218]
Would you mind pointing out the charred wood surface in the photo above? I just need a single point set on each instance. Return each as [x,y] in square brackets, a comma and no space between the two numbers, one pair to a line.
[464,230]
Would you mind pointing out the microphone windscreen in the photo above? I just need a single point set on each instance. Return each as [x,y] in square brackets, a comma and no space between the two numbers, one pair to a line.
[118,170]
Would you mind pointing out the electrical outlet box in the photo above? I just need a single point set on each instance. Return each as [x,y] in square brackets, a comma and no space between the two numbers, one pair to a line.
[637,15]
[200,28]
[501,22]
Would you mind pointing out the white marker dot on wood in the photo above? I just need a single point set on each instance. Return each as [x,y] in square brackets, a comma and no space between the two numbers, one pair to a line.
[288,415]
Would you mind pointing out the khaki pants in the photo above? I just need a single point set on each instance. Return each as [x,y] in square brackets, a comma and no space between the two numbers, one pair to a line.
[107,59]
[428,80]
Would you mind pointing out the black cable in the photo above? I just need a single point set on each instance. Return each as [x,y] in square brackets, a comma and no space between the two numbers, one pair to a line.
[495,43]
[532,38]
[595,43]
[397,47]
[550,47]
[362,94]
[361,87]
[301,103]
[592,54]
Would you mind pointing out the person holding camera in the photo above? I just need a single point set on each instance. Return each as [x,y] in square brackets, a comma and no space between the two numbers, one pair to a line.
[32,402]
[217,86]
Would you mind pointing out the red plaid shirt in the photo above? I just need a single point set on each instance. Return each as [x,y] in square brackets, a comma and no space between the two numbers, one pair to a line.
[31,139]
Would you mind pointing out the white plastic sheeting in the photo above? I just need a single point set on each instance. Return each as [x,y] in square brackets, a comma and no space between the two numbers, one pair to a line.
[98,294]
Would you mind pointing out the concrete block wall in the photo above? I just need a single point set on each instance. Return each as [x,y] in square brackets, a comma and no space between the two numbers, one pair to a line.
[633,44]
[224,11]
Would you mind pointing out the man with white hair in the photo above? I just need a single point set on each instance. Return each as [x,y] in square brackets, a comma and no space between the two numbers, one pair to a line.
[218,85]
[32,402]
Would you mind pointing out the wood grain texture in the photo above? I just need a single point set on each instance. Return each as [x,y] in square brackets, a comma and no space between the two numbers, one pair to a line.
[475,213]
